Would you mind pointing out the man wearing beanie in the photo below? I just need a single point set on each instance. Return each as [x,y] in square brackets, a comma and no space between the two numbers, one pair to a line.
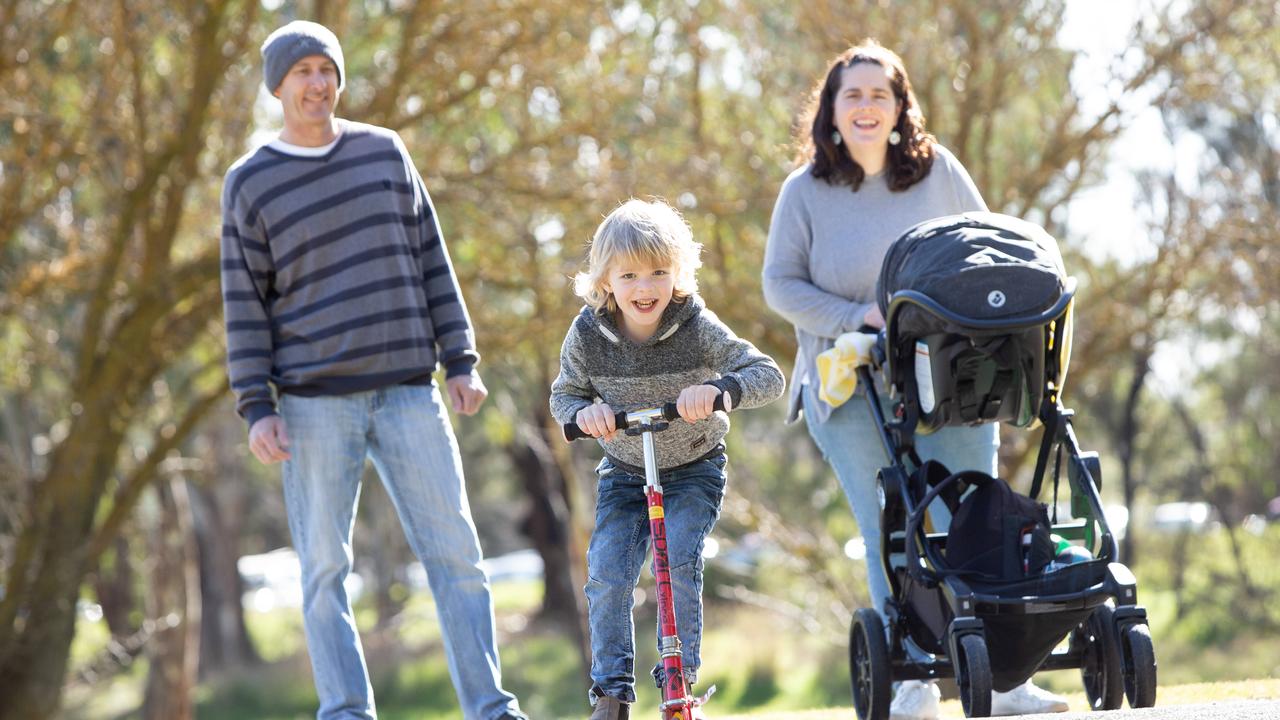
[338,291]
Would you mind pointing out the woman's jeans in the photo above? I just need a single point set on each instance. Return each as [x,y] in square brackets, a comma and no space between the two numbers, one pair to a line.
[851,444]
[692,496]
[405,430]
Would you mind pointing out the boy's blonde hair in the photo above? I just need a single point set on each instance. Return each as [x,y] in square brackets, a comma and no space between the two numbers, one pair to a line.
[639,231]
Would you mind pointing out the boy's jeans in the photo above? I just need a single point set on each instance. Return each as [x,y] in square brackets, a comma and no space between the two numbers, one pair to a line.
[850,443]
[692,496]
[405,430]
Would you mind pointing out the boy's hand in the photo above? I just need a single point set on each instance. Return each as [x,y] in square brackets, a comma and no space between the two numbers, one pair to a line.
[697,402]
[597,421]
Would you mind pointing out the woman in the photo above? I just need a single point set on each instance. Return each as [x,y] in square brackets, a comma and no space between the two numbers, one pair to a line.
[869,171]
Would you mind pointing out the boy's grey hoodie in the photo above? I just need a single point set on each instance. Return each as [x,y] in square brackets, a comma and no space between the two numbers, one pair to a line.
[690,346]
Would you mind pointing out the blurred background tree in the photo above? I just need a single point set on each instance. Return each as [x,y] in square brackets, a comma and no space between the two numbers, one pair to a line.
[123,475]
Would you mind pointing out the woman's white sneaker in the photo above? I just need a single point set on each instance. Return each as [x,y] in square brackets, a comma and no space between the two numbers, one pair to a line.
[1026,699]
[915,700]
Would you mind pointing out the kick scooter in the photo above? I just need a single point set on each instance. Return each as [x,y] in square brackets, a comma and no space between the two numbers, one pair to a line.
[677,702]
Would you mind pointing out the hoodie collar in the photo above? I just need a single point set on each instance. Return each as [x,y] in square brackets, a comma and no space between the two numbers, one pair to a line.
[673,317]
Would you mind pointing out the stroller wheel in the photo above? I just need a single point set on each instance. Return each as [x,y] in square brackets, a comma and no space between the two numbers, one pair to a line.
[1098,643]
[1139,665]
[869,665]
[973,675]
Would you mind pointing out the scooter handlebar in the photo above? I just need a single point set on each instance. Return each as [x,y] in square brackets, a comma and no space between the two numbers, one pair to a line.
[624,420]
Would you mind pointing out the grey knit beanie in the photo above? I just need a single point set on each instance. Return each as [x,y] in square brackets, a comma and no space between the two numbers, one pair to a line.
[292,42]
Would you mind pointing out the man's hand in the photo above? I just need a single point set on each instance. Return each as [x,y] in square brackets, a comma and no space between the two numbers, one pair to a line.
[697,402]
[597,421]
[268,440]
[466,393]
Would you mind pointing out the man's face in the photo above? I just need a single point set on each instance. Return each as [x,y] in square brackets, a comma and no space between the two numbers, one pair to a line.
[309,92]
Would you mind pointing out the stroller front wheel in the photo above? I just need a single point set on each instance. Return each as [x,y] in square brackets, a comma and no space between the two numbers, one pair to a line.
[1139,665]
[1097,641]
[973,675]
[869,665]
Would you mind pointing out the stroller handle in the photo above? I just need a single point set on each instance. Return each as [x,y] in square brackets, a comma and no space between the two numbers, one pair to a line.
[916,297]
[624,420]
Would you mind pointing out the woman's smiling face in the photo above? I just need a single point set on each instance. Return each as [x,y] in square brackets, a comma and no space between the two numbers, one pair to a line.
[865,107]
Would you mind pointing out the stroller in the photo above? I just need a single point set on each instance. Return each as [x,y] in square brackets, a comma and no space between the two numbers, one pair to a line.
[978,312]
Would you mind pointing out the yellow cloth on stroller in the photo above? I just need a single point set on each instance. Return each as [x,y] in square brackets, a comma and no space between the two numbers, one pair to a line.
[837,367]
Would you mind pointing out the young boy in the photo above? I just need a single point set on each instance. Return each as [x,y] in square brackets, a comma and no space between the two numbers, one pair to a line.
[644,339]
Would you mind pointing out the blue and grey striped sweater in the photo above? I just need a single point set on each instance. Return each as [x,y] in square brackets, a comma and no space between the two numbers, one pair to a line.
[335,278]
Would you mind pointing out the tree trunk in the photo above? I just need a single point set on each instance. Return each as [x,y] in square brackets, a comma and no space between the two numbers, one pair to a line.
[386,546]
[38,611]
[174,602]
[1178,568]
[35,661]
[114,588]
[224,639]
[548,526]
[1129,428]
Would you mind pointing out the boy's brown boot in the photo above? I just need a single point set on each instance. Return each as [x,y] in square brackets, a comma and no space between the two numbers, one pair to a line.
[610,708]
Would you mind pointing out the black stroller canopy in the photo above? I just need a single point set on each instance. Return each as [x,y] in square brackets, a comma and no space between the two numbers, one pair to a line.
[981,266]
[977,312]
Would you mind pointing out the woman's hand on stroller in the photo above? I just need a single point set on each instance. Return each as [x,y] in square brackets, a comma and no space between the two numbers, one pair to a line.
[598,420]
[872,318]
[698,402]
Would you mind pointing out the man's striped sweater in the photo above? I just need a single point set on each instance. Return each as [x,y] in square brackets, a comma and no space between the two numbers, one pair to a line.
[335,278]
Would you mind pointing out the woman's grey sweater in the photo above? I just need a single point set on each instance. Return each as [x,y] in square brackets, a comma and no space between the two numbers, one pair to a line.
[824,251]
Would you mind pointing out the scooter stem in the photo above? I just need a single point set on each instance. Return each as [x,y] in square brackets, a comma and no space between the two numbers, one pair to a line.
[650,461]
[676,702]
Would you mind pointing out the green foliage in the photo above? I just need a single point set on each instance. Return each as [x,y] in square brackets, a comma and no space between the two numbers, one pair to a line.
[1201,594]
[531,119]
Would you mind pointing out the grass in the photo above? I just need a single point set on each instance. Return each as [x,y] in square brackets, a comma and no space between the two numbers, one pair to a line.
[762,669]
[764,666]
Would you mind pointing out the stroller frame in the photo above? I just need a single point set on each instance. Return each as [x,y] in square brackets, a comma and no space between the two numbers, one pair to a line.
[1111,645]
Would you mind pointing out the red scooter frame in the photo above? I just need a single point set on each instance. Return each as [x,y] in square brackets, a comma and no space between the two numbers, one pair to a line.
[677,702]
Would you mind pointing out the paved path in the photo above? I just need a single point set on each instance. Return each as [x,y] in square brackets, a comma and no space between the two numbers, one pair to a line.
[1226,710]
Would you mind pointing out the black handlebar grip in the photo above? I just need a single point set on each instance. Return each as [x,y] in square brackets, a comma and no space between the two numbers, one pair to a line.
[669,412]
[573,432]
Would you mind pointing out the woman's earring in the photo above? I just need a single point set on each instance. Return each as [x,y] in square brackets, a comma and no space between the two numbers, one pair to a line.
[895,137]
[835,137]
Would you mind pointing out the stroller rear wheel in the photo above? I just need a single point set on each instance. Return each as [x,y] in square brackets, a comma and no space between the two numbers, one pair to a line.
[1139,665]
[1100,666]
[973,675]
[869,665]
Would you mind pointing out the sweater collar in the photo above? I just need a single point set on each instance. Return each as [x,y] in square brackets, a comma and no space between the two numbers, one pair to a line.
[673,317]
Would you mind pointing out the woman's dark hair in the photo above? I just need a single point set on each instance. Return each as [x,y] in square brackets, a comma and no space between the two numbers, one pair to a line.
[909,161]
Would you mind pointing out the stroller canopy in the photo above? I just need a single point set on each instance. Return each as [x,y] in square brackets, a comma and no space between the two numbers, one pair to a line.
[977,312]
[981,266]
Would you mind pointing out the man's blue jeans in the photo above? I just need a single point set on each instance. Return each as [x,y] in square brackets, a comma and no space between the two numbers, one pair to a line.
[405,430]
[851,444]
[692,496]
